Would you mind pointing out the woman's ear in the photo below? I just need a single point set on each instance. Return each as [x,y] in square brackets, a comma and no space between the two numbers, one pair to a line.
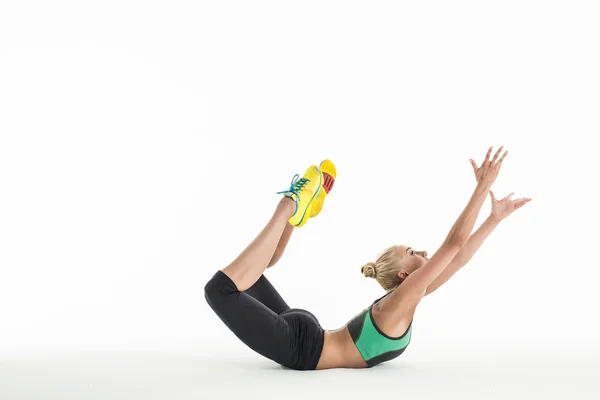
[402,276]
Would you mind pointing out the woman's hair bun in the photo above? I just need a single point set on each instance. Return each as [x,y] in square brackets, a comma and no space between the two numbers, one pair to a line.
[368,270]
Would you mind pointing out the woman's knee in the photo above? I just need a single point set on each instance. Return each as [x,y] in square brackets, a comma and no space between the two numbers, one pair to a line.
[218,287]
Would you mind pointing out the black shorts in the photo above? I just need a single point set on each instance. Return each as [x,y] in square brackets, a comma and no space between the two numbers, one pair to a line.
[261,319]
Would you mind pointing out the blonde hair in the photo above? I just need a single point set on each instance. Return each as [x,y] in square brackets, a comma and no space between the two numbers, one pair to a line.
[385,269]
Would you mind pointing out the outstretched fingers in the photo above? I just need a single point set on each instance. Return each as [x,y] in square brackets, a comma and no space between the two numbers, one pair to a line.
[521,202]
[497,154]
[474,165]
[509,196]
[487,156]
[502,158]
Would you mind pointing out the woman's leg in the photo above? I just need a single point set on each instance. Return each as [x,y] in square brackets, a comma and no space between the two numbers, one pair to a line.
[292,338]
[264,292]
[256,325]
[283,241]
[244,299]
[245,270]
[251,320]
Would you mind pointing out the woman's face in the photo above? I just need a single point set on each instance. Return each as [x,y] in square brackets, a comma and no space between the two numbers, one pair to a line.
[410,260]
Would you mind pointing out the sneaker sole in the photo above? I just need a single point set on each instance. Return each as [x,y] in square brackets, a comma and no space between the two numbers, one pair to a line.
[326,167]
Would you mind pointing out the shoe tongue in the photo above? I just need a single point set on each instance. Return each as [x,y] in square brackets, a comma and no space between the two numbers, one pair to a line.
[292,196]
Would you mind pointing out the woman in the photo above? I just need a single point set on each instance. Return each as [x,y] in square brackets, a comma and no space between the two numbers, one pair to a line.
[247,303]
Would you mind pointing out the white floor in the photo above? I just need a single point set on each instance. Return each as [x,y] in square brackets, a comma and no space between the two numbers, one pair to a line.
[199,374]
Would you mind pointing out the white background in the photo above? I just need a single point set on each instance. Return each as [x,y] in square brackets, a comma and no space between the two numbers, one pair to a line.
[142,143]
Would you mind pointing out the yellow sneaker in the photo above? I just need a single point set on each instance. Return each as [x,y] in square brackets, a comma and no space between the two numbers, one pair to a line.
[329,175]
[304,191]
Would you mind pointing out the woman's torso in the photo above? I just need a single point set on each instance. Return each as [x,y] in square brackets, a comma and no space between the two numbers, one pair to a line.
[340,349]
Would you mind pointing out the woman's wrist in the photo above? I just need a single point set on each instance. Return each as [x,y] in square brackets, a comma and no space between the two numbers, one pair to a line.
[484,185]
[494,219]
[482,189]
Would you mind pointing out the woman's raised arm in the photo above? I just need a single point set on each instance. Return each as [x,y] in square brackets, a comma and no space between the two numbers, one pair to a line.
[413,288]
[500,210]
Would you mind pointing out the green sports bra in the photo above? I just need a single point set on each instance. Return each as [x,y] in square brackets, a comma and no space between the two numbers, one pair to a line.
[375,346]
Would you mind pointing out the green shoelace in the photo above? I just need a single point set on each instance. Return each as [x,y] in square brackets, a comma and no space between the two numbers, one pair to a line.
[296,187]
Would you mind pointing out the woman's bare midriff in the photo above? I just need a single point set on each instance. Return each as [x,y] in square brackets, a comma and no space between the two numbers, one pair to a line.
[339,351]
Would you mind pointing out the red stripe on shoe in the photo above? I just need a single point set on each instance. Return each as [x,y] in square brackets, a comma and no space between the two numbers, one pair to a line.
[329,181]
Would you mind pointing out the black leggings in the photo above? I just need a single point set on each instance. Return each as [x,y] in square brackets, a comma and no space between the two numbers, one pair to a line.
[261,319]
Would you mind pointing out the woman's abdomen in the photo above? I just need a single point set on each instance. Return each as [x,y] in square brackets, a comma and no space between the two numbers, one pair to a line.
[339,351]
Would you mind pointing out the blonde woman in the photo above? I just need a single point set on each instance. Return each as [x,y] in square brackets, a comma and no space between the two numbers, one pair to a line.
[254,311]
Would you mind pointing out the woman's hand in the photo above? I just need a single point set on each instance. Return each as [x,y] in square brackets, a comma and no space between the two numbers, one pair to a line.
[504,207]
[487,173]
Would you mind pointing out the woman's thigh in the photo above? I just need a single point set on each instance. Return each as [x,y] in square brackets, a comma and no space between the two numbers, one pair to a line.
[256,325]
[264,292]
